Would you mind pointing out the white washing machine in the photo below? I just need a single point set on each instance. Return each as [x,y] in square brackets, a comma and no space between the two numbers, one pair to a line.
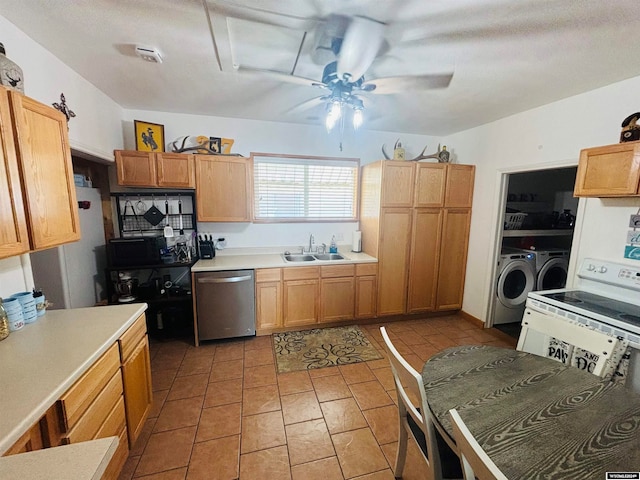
[516,277]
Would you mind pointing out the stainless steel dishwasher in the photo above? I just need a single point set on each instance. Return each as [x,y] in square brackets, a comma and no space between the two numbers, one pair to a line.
[225,304]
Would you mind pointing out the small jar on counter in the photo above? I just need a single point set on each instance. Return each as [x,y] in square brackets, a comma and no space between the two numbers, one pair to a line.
[4,322]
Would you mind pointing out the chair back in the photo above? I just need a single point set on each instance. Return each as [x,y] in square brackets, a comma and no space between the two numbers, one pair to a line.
[409,384]
[474,460]
[575,335]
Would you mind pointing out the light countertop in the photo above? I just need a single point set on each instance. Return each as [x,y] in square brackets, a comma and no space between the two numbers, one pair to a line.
[42,360]
[245,259]
[78,461]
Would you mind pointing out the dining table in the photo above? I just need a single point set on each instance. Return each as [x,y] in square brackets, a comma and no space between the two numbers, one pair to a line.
[536,418]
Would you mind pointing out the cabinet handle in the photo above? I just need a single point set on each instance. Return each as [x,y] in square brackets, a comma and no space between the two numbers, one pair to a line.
[224,279]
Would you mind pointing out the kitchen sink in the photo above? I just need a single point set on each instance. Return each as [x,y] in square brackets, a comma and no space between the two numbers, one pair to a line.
[291,257]
[328,256]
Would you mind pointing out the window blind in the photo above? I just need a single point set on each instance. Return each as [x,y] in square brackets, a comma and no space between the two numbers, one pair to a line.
[305,188]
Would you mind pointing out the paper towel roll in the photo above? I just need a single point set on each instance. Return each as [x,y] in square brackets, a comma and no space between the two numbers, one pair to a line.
[356,246]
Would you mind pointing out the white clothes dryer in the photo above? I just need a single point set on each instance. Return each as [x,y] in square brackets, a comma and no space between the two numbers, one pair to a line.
[516,277]
[551,267]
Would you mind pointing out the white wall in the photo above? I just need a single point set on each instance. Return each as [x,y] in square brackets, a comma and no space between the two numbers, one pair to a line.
[285,138]
[548,136]
[96,129]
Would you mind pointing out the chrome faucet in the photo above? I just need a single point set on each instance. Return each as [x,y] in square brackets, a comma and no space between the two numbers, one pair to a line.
[311,241]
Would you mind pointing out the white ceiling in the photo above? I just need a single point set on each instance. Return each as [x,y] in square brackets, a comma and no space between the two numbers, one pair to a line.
[507,55]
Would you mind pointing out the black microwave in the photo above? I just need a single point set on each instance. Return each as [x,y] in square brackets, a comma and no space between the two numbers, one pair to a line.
[132,251]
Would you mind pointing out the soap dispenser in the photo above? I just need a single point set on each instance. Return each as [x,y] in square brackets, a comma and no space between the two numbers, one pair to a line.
[333,248]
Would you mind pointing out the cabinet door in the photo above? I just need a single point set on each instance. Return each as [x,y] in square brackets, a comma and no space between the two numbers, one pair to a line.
[300,302]
[136,379]
[397,184]
[609,171]
[223,188]
[393,260]
[45,161]
[337,299]
[430,184]
[268,305]
[425,254]
[366,297]
[453,259]
[459,189]
[136,169]
[31,440]
[176,170]
[14,238]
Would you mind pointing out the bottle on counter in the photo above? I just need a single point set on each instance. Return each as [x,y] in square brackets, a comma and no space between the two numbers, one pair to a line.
[333,247]
[4,322]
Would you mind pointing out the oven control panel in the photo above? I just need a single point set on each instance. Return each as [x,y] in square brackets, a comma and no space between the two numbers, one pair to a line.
[610,272]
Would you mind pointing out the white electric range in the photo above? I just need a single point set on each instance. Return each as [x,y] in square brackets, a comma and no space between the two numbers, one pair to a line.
[606,297]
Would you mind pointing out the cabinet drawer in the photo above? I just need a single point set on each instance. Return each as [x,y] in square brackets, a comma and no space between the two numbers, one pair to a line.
[77,399]
[366,269]
[330,271]
[115,422]
[268,275]
[130,339]
[300,273]
[90,423]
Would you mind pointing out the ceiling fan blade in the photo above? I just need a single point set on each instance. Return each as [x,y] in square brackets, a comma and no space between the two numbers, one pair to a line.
[361,44]
[280,76]
[307,105]
[391,85]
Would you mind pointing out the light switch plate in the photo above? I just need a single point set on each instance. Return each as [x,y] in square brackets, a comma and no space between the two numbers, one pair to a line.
[634,221]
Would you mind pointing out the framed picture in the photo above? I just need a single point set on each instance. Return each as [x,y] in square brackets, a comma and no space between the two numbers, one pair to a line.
[215,144]
[149,136]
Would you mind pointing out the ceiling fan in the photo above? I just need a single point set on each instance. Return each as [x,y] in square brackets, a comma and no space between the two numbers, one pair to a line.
[349,45]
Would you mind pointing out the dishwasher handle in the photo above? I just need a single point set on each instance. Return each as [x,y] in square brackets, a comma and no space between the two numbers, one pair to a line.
[224,279]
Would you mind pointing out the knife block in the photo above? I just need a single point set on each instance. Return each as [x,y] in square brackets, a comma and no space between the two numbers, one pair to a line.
[207,249]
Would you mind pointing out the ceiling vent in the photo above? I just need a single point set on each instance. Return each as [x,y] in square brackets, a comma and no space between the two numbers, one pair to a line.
[149,54]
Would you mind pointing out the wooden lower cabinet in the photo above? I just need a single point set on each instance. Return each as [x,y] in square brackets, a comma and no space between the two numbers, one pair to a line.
[337,299]
[426,233]
[366,296]
[453,258]
[300,302]
[268,299]
[112,398]
[393,257]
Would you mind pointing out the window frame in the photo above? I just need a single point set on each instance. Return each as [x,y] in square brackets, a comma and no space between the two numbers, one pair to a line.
[306,158]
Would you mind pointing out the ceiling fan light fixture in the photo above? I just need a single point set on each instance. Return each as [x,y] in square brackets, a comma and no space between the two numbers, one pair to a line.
[358,118]
[334,112]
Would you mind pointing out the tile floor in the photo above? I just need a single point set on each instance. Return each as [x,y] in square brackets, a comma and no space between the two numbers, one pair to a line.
[220,411]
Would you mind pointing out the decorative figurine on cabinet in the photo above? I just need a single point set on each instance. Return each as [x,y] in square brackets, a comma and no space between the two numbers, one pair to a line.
[630,131]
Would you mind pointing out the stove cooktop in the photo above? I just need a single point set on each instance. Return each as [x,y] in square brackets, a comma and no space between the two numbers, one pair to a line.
[625,312]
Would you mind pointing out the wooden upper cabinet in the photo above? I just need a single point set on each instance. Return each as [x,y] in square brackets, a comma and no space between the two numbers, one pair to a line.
[136,169]
[398,183]
[147,169]
[223,188]
[175,170]
[609,171]
[44,158]
[459,187]
[14,238]
[430,184]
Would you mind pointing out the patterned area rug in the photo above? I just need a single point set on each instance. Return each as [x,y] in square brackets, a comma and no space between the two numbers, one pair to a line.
[322,347]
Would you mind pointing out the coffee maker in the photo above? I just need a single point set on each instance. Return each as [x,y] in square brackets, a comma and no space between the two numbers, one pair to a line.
[125,287]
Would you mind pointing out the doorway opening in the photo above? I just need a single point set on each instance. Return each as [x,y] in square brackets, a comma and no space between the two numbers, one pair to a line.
[535,243]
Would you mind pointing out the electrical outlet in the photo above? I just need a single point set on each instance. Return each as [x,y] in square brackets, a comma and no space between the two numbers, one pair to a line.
[339,237]
[634,221]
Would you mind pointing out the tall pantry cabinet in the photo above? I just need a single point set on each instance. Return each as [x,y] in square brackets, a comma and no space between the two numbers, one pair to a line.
[415,219]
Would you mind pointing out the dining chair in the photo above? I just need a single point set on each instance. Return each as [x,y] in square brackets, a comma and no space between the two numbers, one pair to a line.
[474,461]
[417,420]
[575,335]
